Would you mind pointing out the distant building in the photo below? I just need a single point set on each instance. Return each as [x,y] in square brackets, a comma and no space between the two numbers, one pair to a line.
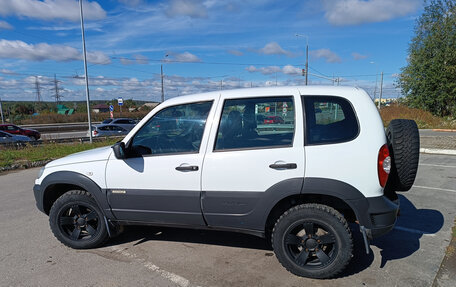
[63,110]
[150,105]
[386,102]
[100,108]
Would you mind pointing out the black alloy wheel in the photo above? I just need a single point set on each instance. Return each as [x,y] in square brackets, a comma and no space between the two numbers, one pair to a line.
[312,240]
[77,221]
[310,244]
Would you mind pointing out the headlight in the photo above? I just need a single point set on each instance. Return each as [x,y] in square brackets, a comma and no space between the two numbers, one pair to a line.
[41,172]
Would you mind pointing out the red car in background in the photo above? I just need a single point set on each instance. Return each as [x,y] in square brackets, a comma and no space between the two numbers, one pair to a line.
[273,120]
[13,129]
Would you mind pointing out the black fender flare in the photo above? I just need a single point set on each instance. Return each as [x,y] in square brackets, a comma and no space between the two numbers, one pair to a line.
[77,179]
[343,191]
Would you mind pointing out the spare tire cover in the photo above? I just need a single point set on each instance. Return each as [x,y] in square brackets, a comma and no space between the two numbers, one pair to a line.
[404,146]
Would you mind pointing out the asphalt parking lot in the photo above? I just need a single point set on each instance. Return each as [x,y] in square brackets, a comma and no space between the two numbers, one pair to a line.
[409,256]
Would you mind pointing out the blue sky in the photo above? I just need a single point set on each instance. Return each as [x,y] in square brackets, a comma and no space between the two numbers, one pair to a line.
[202,44]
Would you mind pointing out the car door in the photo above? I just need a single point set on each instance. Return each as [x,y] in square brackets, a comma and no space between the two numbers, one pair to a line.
[250,164]
[12,129]
[5,137]
[161,180]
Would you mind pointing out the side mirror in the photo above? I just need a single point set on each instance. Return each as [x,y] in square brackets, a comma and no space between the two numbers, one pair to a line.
[119,150]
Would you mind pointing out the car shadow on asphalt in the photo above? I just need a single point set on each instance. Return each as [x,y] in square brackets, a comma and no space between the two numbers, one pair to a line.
[401,242]
[404,239]
[143,234]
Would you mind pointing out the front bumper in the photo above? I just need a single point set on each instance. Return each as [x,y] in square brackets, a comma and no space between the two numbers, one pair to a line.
[382,214]
[38,197]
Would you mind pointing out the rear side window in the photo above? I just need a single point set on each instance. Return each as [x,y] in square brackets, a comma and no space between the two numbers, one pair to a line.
[256,123]
[329,120]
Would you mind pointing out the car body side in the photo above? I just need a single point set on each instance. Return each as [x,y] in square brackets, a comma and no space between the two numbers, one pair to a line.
[342,175]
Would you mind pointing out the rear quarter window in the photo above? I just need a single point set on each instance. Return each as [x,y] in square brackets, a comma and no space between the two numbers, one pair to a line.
[329,119]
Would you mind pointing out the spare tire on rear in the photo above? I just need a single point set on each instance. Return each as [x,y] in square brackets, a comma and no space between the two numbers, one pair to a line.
[404,146]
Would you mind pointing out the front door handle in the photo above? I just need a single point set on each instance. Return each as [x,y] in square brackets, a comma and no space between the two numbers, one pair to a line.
[187,168]
[283,166]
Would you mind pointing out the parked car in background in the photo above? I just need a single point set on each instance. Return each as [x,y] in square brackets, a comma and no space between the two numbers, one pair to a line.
[108,130]
[273,120]
[13,129]
[125,123]
[11,138]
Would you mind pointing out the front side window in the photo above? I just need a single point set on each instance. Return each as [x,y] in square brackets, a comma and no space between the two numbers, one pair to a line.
[256,123]
[329,120]
[176,129]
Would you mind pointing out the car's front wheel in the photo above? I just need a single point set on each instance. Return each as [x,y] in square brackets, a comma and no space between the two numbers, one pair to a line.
[77,221]
[312,240]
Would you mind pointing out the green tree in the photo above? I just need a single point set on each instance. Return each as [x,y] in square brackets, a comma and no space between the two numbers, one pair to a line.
[429,79]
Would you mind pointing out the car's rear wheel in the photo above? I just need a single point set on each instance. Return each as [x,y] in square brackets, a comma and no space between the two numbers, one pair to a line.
[404,145]
[312,240]
[77,221]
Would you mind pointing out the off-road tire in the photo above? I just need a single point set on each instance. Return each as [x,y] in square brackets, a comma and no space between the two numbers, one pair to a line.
[63,209]
[404,146]
[324,218]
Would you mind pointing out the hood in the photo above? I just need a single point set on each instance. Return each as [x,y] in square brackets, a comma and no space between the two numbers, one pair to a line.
[96,154]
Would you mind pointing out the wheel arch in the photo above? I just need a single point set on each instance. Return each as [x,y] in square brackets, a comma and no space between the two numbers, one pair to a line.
[56,184]
[346,199]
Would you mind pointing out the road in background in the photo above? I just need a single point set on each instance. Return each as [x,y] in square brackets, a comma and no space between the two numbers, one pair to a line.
[154,256]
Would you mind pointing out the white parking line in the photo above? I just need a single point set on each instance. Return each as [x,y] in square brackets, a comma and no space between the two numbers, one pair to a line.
[434,188]
[438,165]
[179,280]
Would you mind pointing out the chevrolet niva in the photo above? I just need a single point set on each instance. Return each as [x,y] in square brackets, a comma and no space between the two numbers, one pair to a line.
[209,161]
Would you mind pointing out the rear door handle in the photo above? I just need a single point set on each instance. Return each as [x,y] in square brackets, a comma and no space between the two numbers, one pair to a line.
[283,166]
[187,168]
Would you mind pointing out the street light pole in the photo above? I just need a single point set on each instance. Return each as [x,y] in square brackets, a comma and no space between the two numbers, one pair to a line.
[376,79]
[163,89]
[307,56]
[85,70]
[381,93]
[1,111]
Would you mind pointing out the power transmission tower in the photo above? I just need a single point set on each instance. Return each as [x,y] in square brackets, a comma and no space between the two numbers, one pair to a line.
[38,90]
[57,96]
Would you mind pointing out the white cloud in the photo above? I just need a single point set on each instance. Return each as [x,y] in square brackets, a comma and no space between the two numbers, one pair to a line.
[358,56]
[131,2]
[235,52]
[287,70]
[7,72]
[5,25]
[264,70]
[354,12]
[137,59]
[126,61]
[292,70]
[273,48]
[51,9]
[43,51]
[326,54]
[191,8]
[185,57]
[141,59]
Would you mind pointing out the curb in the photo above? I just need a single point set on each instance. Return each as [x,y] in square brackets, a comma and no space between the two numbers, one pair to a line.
[443,130]
[438,151]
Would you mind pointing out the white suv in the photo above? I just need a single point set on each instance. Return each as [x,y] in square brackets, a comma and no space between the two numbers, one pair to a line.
[210,161]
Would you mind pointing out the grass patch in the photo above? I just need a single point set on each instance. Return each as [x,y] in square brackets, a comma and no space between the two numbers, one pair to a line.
[45,152]
[424,120]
